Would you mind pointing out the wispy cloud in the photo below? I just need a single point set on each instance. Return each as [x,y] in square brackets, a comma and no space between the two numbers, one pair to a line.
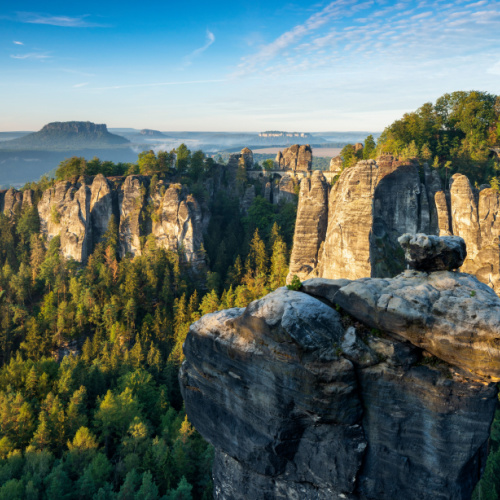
[15,42]
[209,41]
[32,55]
[158,84]
[58,20]
[78,85]
[364,36]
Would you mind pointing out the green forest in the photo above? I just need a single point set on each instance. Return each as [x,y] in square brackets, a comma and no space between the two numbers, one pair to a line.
[90,405]
[456,134]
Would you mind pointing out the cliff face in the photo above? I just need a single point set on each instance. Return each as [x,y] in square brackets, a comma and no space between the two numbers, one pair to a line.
[81,213]
[311,224]
[295,157]
[374,202]
[65,210]
[303,402]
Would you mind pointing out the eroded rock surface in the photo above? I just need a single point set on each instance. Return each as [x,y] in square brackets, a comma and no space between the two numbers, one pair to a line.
[302,402]
[296,157]
[64,210]
[373,203]
[310,226]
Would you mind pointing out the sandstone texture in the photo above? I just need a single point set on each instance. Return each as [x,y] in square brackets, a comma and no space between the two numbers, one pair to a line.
[375,202]
[284,191]
[80,213]
[132,198]
[311,225]
[303,402]
[431,253]
[64,210]
[336,165]
[296,157]
[177,225]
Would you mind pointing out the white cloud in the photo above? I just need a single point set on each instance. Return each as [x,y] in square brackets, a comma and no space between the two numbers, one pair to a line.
[32,55]
[159,84]
[210,40]
[78,85]
[63,21]
[17,43]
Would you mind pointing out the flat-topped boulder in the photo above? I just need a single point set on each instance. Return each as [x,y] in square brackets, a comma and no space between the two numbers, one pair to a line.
[451,315]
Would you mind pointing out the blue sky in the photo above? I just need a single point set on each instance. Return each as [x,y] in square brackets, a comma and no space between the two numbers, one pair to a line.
[229,66]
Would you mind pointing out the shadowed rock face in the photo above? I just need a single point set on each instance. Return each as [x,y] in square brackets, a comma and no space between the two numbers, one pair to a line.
[303,403]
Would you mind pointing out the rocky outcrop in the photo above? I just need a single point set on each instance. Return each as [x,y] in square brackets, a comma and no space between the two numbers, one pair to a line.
[370,206]
[81,213]
[132,198]
[295,157]
[285,190]
[12,201]
[101,206]
[64,210]
[247,199]
[336,164]
[244,158]
[301,401]
[311,225]
[177,223]
[373,203]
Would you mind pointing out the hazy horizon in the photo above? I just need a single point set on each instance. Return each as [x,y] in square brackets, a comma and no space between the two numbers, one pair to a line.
[344,65]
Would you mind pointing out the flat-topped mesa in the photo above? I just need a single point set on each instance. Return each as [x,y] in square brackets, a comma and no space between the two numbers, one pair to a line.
[296,157]
[301,401]
[431,253]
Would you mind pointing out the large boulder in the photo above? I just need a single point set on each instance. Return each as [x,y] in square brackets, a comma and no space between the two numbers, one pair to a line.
[301,401]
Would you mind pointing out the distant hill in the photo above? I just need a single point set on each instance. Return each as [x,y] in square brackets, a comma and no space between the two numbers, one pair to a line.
[67,135]
[153,134]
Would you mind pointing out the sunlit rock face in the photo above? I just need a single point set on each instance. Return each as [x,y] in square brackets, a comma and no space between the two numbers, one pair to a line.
[296,157]
[302,401]
[373,203]
[64,210]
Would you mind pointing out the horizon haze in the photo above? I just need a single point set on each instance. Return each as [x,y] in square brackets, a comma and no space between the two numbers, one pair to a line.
[322,66]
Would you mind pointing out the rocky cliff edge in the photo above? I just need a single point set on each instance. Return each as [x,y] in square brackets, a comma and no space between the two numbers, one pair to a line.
[363,389]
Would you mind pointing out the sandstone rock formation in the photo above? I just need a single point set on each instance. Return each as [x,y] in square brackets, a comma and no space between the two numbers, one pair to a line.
[177,224]
[80,213]
[311,224]
[132,198]
[303,402]
[243,158]
[284,190]
[12,201]
[101,206]
[375,202]
[336,165]
[64,210]
[295,157]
